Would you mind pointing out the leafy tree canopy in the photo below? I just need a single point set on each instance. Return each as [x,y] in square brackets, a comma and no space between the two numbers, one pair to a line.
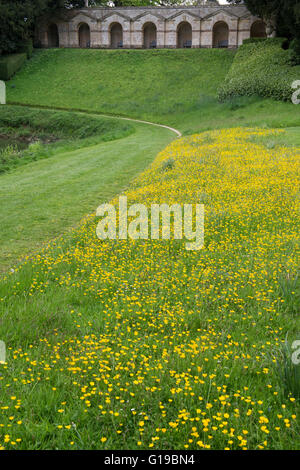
[17,17]
[284,14]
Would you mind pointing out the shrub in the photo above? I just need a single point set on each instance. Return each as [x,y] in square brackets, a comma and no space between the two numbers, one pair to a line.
[10,64]
[61,124]
[28,48]
[279,41]
[8,155]
[263,68]
[295,52]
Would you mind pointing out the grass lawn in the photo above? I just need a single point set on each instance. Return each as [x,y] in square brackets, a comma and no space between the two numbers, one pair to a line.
[40,200]
[143,344]
[174,87]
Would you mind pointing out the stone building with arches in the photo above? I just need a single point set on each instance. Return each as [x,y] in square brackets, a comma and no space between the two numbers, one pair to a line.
[207,25]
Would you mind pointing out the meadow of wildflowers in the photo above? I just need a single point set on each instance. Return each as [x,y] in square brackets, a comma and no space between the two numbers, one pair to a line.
[145,345]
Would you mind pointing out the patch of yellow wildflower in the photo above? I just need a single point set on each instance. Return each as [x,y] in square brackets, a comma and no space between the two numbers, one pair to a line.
[160,347]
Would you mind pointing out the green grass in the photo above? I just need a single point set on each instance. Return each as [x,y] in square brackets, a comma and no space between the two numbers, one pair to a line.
[144,345]
[261,68]
[175,87]
[42,199]
[43,128]
[22,121]
[113,344]
[141,84]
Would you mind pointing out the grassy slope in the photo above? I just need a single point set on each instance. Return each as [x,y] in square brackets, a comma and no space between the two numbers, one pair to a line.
[179,317]
[261,68]
[130,345]
[52,132]
[176,87]
[40,200]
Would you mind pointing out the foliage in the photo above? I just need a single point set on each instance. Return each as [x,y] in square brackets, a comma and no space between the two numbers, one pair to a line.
[38,126]
[284,14]
[146,83]
[28,48]
[144,345]
[295,51]
[260,68]
[17,20]
[10,64]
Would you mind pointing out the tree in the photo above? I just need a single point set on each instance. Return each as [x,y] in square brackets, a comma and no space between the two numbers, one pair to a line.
[17,19]
[281,16]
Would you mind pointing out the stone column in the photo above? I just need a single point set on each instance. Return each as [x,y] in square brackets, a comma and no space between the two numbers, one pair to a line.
[95,38]
[63,34]
[206,38]
[73,36]
[160,35]
[171,35]
[126,37]
[196,34]
[105,38]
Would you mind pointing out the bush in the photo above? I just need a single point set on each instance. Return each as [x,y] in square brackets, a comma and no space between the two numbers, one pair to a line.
[28,48]
[10,64]
[263,68]
[61,124]
[295,52]
[279,41]
[8,156]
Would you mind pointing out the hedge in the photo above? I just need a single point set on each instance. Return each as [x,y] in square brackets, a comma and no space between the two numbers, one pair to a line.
[263,68]
[9,65]
[28,48]
[268,41]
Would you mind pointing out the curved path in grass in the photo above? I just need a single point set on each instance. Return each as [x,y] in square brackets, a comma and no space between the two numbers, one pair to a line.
[40,200]
[87,113]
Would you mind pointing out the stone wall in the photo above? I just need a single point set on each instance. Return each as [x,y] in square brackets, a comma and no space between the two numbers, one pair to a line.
[207,25]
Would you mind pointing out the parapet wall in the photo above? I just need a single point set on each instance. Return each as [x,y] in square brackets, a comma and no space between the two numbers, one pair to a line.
[146,27]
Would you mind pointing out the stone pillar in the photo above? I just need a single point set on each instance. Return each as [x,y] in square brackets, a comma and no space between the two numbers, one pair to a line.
[171,35]
[63,34]
[105,38]
[206,36]
[244,30]
[232,40]
[196,34]
[95,38]
[126,38]
[73,37]
[43,37]
[160,36]
[137,39]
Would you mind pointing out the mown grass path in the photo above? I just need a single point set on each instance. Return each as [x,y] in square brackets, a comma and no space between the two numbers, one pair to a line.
[109,116]
[42,199]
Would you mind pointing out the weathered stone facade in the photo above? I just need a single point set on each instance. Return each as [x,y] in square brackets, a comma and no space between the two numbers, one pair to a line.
[207,25]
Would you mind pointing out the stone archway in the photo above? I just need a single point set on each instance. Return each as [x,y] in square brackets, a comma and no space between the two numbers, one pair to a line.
[220,34]
[258,30]
[53,36]
[149,32]
[184,35]
[84,35]
[116,35]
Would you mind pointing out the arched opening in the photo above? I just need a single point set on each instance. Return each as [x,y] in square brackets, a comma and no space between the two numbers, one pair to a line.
[220,34]
[116,35]
[53,37]
[258,30]
[84,35]
[149,36]
[184,35]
